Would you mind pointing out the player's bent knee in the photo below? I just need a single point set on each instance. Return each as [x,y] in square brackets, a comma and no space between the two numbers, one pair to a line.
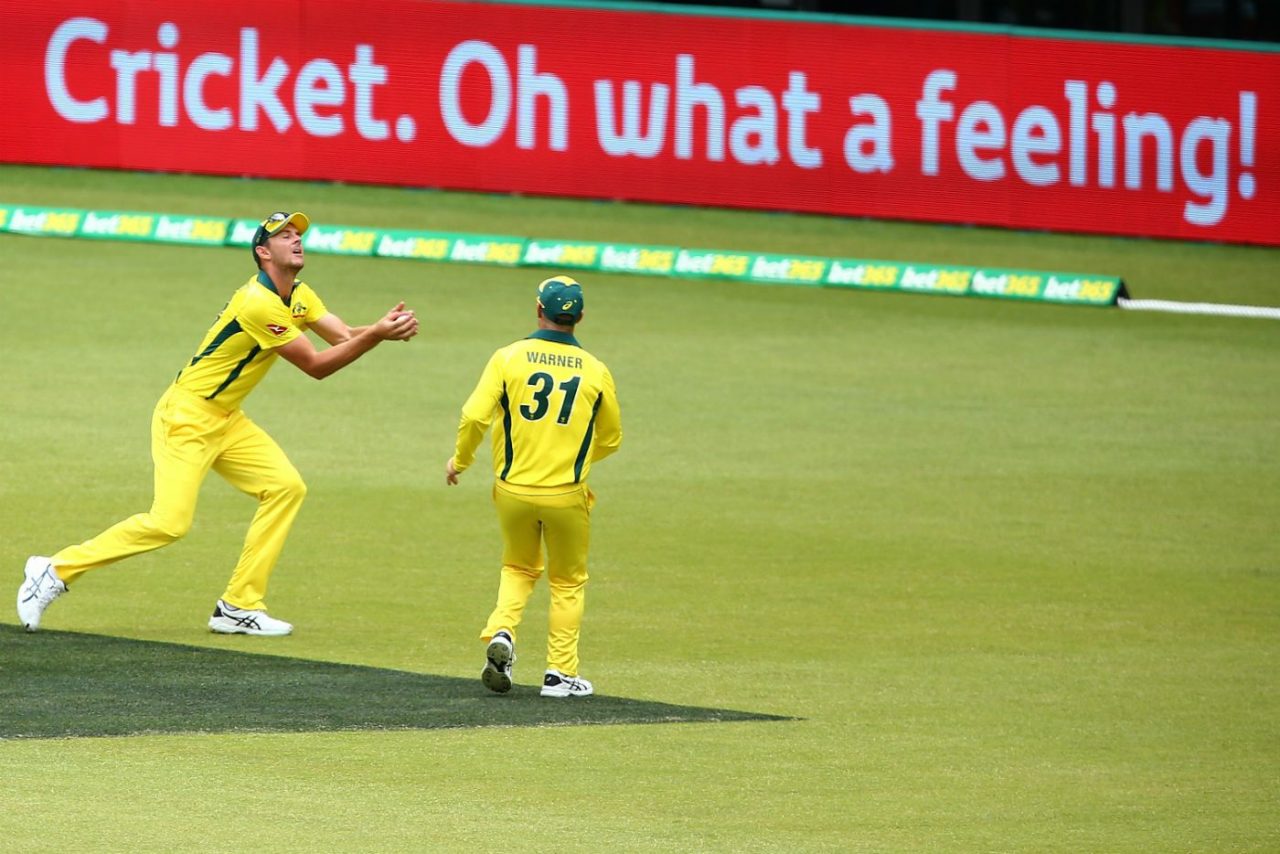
[290,488]
[171,526]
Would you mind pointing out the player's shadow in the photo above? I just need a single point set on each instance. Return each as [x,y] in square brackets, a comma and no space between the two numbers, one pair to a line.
[67,684]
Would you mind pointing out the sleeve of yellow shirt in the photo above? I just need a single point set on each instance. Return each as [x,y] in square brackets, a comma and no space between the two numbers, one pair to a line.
[478,412]
[608,421]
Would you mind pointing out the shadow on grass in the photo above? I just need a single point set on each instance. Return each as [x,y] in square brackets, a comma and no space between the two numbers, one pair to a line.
[68,684]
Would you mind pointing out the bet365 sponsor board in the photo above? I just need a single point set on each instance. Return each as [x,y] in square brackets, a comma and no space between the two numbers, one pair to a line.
[577,255]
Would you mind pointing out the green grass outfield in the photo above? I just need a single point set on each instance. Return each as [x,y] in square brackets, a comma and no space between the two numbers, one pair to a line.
[1008,572]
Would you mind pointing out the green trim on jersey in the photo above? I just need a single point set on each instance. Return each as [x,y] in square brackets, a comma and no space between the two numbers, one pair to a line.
[556,336]
[586,442]
[235,372]
[265,281]
[232,327]
[506,433]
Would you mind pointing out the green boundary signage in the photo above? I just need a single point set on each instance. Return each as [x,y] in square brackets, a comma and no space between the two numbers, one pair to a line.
[43,222]
[639,259]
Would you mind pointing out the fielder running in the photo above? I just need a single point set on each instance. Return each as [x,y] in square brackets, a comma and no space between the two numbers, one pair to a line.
[198,425]
[555,412]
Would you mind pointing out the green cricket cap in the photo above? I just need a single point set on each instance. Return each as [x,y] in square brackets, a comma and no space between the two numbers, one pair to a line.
[560,295]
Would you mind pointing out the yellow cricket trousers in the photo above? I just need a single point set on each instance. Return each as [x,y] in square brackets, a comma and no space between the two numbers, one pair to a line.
[560,517]
[189,436]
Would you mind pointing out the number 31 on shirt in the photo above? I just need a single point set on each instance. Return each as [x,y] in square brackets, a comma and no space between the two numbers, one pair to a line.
[544,384]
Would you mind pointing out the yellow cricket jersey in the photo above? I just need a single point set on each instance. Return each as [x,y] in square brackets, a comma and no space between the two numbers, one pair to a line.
[240,347]
[554,410]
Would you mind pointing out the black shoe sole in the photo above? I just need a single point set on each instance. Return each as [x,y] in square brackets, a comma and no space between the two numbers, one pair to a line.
[495,680]
[495,676]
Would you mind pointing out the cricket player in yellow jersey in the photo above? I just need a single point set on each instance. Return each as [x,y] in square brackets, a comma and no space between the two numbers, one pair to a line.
[554,412]
[198,425]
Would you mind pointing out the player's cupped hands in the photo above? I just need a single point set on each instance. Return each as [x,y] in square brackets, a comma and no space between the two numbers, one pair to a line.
[399,324]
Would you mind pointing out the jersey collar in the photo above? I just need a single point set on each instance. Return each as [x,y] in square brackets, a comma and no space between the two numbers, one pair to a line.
[556,336]
[265,281]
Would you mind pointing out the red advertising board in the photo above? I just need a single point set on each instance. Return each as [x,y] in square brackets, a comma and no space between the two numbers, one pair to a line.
[773,112]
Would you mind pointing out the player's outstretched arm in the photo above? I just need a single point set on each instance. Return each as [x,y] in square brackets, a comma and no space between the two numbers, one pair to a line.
[334,330]
[398,324]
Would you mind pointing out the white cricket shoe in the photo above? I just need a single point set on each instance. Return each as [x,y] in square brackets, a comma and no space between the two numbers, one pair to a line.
[230,620]
[40,586]
[556,684]
[500,655]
